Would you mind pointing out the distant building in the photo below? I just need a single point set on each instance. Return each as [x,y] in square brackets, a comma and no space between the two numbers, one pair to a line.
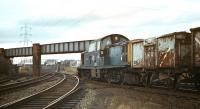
[25,62]
[50,62]
[78,63]
[70,63]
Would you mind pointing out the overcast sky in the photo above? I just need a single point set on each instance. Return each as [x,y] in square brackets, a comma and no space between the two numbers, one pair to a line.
[70,20]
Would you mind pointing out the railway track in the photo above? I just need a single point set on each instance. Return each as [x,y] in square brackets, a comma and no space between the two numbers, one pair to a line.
[16,86]
[68,100]
[48,98]
[2,81]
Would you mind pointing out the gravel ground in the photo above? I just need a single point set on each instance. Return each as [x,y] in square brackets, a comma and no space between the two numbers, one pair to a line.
[28,91]
[103,97]
[18,80]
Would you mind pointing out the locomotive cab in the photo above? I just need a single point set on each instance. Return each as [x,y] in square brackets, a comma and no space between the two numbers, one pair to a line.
[104,54]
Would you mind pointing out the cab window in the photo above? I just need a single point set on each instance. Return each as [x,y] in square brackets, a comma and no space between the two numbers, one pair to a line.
[98,45]
[92,47]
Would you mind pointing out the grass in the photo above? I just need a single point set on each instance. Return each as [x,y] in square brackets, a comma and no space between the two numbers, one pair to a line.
[70,69]
[25,69]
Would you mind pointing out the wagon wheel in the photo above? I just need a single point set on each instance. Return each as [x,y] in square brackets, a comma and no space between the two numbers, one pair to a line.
[150,80]
[176,81]
[152,77]
[170,83]
[149,74]
[144,79]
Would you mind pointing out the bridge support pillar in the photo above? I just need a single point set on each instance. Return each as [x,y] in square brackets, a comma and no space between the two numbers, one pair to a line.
[36,59]
[4,62]
[2,53]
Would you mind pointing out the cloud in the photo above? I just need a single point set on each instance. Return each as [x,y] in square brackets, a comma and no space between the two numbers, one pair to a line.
[60,21]
[10,34]
[68,20]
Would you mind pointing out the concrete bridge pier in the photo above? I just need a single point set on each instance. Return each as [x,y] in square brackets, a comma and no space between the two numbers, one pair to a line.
[36,59]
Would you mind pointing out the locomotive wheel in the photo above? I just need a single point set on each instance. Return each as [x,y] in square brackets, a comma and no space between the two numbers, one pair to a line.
[88,75]
[108,77]
[122,78]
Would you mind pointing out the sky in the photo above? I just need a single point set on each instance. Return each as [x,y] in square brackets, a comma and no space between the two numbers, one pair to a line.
[54,21]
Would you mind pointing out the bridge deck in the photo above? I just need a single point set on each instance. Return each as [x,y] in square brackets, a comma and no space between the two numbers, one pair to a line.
[54,48]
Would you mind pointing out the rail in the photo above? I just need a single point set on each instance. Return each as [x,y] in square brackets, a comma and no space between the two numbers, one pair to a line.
[52,95]
[13,86]
[15,103]
[73,90]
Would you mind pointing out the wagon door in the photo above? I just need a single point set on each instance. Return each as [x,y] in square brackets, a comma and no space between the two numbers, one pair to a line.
[138,55]
[150,57]
[196,48]
[183,51]
[166,52]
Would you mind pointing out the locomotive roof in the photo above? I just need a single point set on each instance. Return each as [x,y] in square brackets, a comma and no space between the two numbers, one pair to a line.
[112,35]
[174,33]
